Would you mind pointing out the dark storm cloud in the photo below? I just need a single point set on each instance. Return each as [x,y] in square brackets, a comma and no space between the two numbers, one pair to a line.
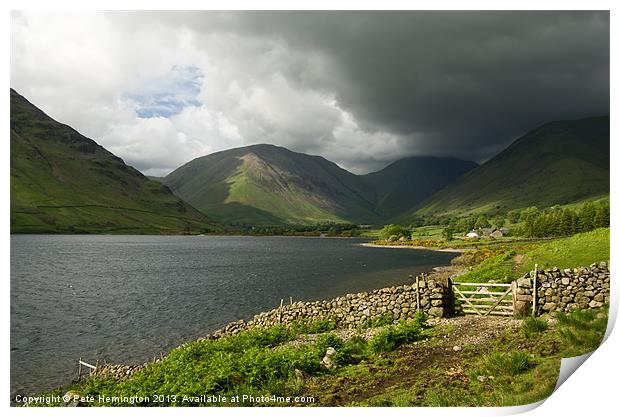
[463,83]
[359,88]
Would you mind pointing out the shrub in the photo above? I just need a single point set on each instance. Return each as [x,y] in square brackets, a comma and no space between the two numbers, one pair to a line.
[382,320]
[393,336]
[394,230]
[328,340]
[508,363]
[317,326]
[582,330]
[352,351]
[533,325]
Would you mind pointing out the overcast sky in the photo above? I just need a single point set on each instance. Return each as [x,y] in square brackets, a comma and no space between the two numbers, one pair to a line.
[359,88]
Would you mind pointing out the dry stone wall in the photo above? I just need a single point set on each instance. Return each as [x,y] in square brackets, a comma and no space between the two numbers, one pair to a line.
[556,290]
[351,310]
[563,290]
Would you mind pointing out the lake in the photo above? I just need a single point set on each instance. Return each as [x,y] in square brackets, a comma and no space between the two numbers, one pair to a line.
[129,298]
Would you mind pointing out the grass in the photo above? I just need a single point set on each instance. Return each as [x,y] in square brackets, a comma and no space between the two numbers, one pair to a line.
[316,326]
[499,263]
[382,320]
[256,361]
[514,369]
[508,363]
[578,250]
[532,326]
[498,268]
[63,182]
[582,330]
[393,336]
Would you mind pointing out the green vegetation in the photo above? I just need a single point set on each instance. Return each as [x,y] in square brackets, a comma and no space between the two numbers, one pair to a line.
[508,363]
[63,182]
[582,330]
[571,163]
[578,250]
[382,320]
[317,326]
[566,222]
[266,185]
[317,229]
[498,268]
[394,232]
[513,369]
[504,264]
[257,362]
[533,325]
[403,184]
[506,260]
[393,336]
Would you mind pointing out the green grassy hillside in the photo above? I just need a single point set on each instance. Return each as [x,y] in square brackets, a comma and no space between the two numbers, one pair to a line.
[266,184]
[63,182]
[508,262]
[558,163]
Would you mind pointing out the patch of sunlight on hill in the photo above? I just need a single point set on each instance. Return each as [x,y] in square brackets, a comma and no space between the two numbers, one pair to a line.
[581,249]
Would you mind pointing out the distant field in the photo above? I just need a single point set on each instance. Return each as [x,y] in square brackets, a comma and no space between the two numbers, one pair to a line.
[516,259]
[578,250]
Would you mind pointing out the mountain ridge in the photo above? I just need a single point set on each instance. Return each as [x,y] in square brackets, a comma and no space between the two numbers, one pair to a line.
[64,182]
[226,183]
[556,163]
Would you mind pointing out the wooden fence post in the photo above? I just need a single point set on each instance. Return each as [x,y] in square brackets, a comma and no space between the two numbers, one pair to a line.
[280,312]
[513,285]
[417,292]
[534,290]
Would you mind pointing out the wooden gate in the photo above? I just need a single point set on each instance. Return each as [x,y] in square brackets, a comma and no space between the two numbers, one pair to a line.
[484,298]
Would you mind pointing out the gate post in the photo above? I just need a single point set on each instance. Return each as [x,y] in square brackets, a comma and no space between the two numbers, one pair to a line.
[534,290]
[417,292]
[514,298]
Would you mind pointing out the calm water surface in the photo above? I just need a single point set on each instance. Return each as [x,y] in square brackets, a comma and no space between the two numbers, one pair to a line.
[128,298]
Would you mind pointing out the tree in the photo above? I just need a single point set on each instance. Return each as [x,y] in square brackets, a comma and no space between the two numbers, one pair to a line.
[448,233]
[601,218]
[463,225]
[586,217]
[499,221]
[482,222]
[513,216]
[390,230]
[567,223]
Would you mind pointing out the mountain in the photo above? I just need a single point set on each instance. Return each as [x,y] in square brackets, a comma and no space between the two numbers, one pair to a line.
[267,184]
[408,181]
[560,162]
[63,182]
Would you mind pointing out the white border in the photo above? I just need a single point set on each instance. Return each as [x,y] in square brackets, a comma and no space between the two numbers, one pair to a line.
[593,390]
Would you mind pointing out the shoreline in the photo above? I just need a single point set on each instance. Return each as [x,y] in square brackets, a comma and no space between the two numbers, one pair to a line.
[452,250]
[269,318]
[121,370]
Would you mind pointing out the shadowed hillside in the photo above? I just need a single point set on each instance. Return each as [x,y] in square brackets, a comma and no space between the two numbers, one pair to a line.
[557,163]
[406,182]
[63,182]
